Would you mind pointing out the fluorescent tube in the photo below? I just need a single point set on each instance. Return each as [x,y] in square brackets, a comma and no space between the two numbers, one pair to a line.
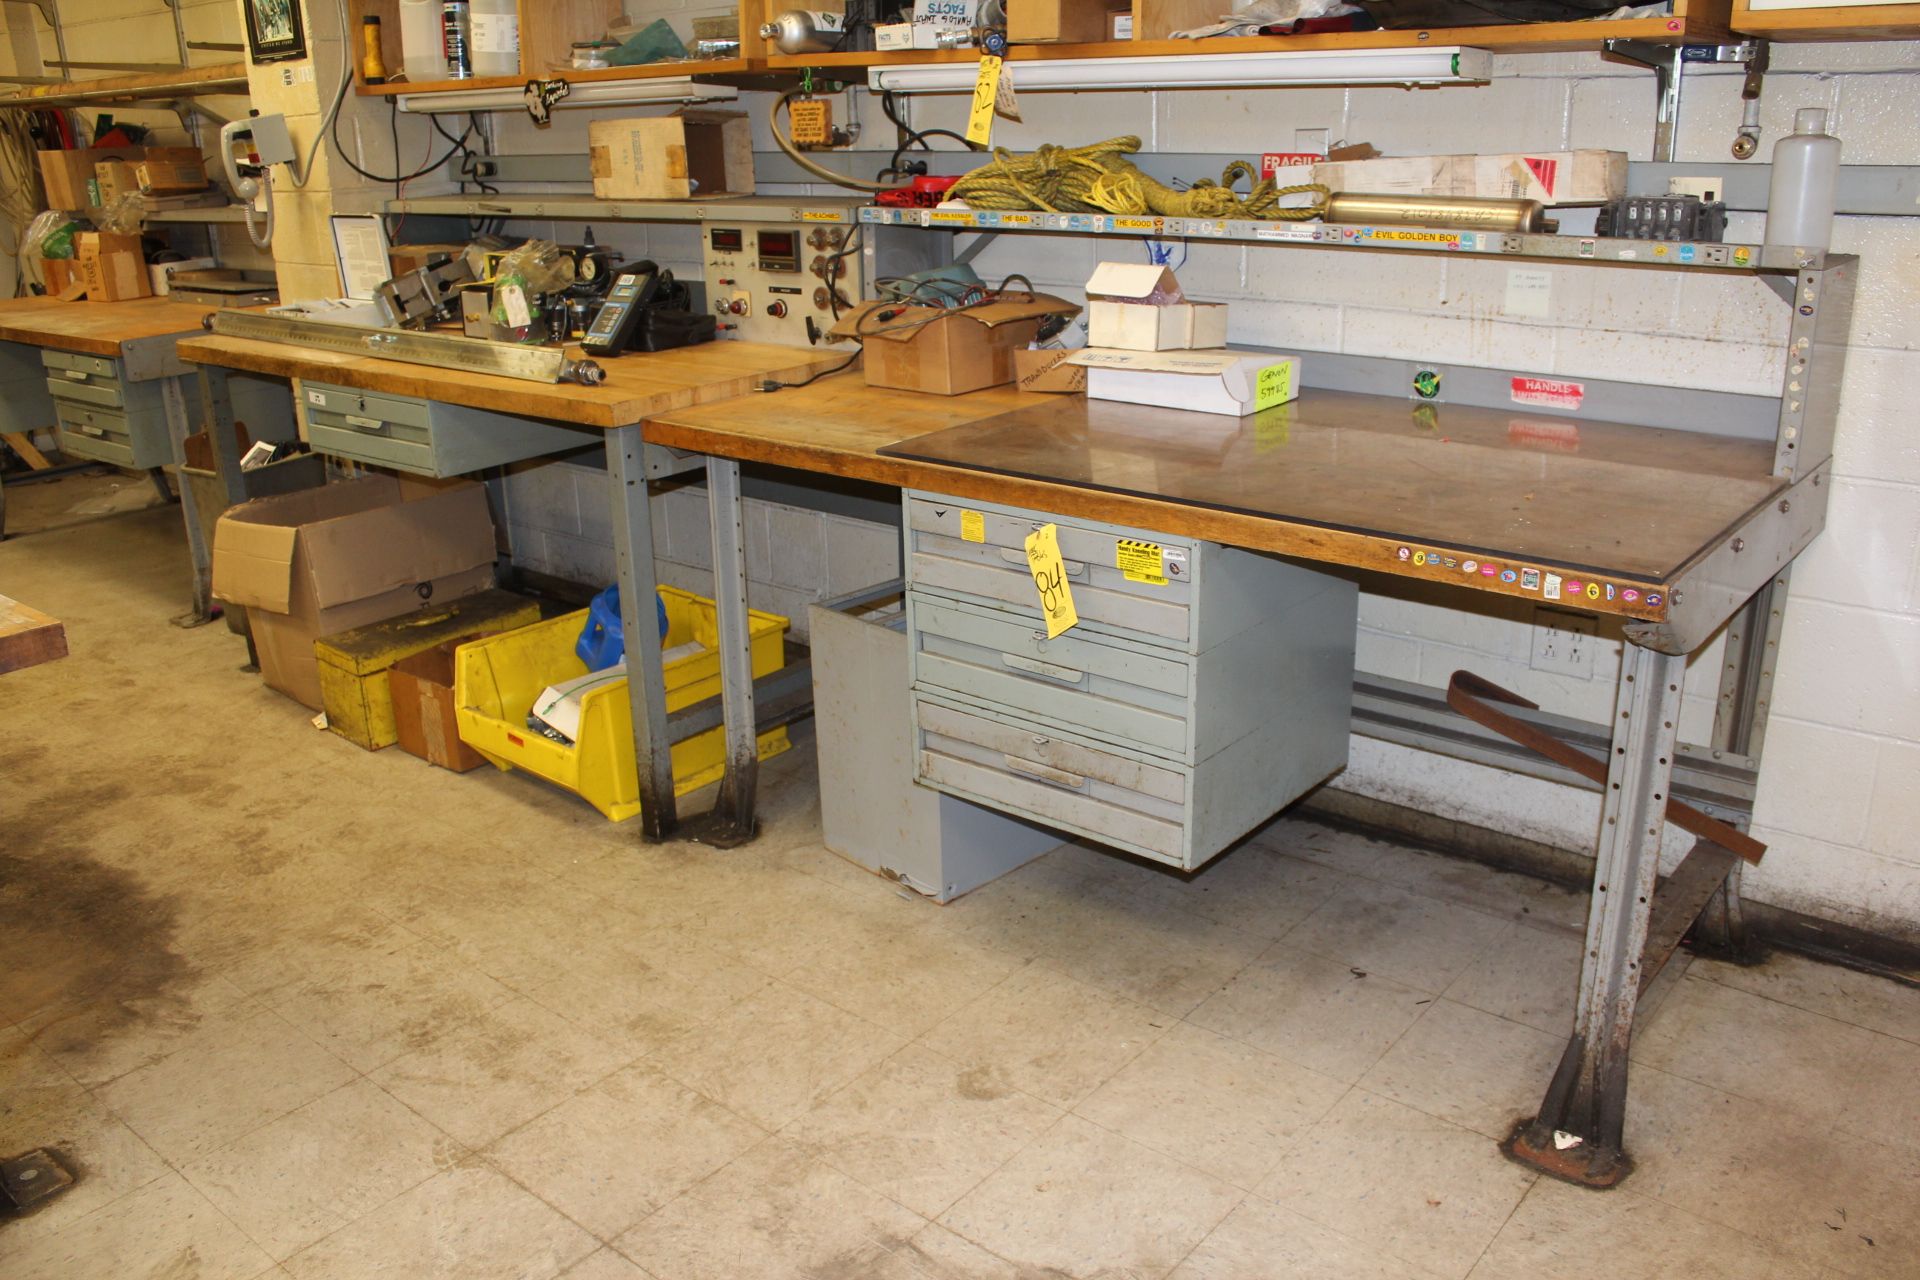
[604,93]
[1408,67]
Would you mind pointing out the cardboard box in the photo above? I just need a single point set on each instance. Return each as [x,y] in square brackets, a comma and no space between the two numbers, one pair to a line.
[402,258]
[112,266]
[423,710]
[891,36]
[693,152]
[1134,306]
[59,274]
[326,560]
[169,171]
[354,665]
[1047,370]
[70,177]
[1056,21]
[944,352]
[1551,177]
[115,178]
[1235,383]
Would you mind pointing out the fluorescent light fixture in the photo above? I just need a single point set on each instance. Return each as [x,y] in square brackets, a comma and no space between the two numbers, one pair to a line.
[1406,67]
[603,93]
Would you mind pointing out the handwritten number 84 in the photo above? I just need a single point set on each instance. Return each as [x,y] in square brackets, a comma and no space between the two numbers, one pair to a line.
[1050,589]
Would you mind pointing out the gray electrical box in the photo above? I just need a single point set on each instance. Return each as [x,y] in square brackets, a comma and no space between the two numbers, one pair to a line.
[871,811]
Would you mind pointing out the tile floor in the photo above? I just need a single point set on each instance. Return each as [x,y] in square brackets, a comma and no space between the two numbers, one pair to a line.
[296,1010]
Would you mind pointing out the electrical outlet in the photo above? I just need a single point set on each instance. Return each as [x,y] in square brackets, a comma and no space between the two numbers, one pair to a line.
[1563,643]
[1708,189]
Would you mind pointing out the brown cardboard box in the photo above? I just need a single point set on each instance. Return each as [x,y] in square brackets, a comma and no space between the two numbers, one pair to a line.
[947,352]
[70,178]
[1056,21]
[170,171]
[693,152]
[402,258]
[112,266]
[59,274]
[1046,370]
[423,712]
[320,561]
[115,178]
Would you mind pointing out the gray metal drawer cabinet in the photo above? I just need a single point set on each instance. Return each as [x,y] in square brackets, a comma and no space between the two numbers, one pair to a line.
[425,437]
[103,417]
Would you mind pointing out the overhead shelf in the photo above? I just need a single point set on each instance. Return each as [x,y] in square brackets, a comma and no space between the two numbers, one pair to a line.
[211,213]
[225,77]
[1825,22]
[652,71]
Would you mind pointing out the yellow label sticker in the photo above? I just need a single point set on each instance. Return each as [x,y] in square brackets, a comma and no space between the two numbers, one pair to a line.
[1140,561]
[1050,579]
[1416,237]
[973,527]
[1016,219]
[951,217]
[822,215]
[1273,386]
[986,90]
[1136,224]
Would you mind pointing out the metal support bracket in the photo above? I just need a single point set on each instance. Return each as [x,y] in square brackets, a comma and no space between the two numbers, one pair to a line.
[1666,62]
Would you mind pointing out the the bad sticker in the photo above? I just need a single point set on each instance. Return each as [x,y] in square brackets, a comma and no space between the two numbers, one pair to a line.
[1050,579]
[1139,561]
[973,527]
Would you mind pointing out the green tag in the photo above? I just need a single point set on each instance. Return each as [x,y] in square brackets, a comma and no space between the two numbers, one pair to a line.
[1274,386]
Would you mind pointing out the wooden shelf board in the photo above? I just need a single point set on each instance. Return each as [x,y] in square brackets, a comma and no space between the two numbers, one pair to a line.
[229,77]
[1851,22]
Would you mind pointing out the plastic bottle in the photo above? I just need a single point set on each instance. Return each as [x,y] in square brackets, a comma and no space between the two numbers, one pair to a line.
[496,37]
[456,33]
[1806,170]
[423,52]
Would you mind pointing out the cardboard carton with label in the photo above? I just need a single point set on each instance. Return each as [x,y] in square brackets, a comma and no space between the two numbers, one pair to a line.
[1235,383]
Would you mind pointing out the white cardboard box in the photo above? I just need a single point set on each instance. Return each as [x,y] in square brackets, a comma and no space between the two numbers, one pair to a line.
[1551,177]
[1235,383]
[1136,306]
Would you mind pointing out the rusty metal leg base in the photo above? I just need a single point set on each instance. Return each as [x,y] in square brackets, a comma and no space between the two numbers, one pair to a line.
[731,822]
[1580,1130]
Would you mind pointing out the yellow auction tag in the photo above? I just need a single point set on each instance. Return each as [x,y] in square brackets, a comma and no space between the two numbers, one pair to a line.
[986,91]
[973,526]
[1050,579]
[1273,386]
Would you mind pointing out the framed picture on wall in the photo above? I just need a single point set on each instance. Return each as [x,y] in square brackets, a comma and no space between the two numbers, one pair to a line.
[274,33]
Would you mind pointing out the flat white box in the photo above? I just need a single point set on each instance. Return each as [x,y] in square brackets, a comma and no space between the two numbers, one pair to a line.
[1232,383]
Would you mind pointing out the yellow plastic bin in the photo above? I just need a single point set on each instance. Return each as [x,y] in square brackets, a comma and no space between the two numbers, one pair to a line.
[497,679]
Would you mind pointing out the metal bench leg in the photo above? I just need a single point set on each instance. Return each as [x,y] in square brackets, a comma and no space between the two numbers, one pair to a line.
[200,556]
[732,820]
[646,681]
[1579,1132]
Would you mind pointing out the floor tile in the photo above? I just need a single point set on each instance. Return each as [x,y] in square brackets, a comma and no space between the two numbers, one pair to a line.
[1262,891]
[937,1254]
[922,1129]
[775,1212]
[1878,1004]
[164,1231]
[1408,937]
[236,1072]
[611,1155]
[1321,1014]
[1481,1072]
[1311,842]
[1527,975]
[1562,1232]
[603,1264]
[1831,1197]
[1262,1241]
[1048,1035]
[317,1169]
[1085,1201]
[387,1002]
[499,1071]
[468,1223]
[1220,1105]
[1165,957]
[98,1042]
[775,1054]
[108,1159]
[1427,1192]
[1480,887]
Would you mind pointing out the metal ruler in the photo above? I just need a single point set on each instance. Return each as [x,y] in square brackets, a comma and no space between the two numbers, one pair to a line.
[441,350]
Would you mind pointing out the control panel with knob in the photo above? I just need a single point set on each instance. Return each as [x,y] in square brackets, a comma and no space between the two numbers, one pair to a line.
[779,261]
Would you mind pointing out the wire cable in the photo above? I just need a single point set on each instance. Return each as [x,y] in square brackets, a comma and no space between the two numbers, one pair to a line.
[793,152]
[325,130]
[770,385]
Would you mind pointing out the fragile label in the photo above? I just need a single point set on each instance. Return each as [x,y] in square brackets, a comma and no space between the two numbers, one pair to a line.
[1140,561]
[1273,386]
[973,527]
[1050,579]
[986,93]
[1272,162]
[1549,392]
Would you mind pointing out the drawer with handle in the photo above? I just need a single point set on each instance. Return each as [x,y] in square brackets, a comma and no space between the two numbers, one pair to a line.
[978,550]
[1133,804]
[424,436]
[71,364]
[109,435]
[1113,691]
[94,443]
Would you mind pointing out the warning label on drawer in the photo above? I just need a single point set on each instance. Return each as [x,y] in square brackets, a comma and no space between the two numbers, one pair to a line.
[973,526]
[1142,561]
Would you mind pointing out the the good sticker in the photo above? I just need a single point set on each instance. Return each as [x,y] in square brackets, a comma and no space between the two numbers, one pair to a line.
[1050,579]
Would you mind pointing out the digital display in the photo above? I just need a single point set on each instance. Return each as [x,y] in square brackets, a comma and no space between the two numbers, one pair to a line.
[779,250]
[726,239]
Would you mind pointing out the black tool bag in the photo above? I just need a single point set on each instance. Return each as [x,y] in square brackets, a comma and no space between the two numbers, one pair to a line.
[1480,13]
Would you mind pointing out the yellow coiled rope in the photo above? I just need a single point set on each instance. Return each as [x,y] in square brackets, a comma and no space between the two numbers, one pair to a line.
[1099,178]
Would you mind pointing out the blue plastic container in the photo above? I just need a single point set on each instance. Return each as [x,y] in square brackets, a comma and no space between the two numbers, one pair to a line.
[603,641]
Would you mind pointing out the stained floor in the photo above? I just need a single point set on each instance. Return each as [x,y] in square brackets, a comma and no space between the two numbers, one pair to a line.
[294,1009]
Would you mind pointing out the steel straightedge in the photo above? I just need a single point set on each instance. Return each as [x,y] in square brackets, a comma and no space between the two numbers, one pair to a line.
[1578,1134]
[731,822]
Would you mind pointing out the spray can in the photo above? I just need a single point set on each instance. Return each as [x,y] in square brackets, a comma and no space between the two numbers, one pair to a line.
[1800,197]
[456,38]
[804,31]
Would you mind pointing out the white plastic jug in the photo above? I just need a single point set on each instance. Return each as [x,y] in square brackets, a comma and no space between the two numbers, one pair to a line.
[496,37]
[422,55]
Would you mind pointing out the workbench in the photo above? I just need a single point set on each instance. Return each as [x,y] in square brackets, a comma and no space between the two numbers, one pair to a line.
[117,354]
[1676,511]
